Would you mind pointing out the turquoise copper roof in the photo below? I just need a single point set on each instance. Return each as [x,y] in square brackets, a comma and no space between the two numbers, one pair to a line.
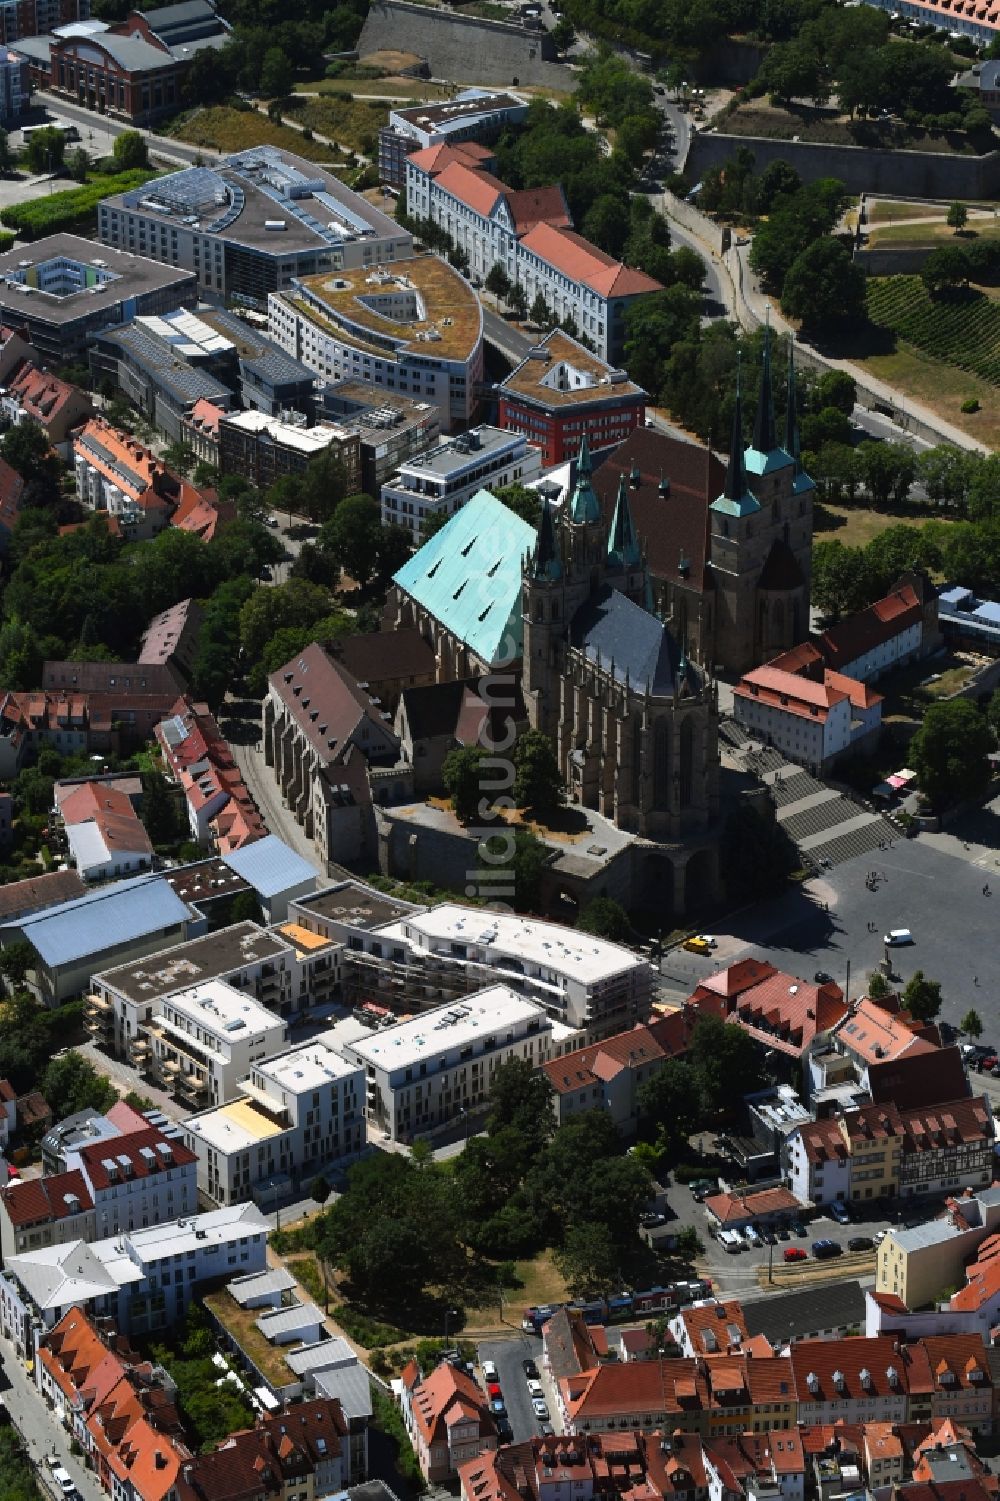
[737,498]
[468,576]
[623,544]
[584,505]
[756,462]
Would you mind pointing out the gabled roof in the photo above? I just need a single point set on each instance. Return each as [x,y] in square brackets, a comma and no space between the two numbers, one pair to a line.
[374,656]
[468,576]
[778,1009]
[37,892]
[730,1209]
[868,1368]
[136,1147]
[919,1078]
[613,630]
[104,919]
[37,1201]
[861,633]
[582,262]
[445,1396]
[875,1034]
[715,1327]
[325,701]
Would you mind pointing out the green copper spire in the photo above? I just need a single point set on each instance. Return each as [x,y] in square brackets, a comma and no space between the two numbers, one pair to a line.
[736,498]
[623,544]
[584,506]
[545,564]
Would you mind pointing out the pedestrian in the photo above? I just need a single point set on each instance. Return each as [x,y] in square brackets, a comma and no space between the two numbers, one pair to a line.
[975,979]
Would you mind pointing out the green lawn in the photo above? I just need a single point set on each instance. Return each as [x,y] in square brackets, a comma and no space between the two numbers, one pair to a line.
[941,387]
[856,526]
[934,232]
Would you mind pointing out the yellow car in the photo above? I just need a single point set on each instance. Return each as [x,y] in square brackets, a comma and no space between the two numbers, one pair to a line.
[697,946]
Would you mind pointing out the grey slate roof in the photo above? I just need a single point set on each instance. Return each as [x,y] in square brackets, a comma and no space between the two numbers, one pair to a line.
[786,1316]
[611,626]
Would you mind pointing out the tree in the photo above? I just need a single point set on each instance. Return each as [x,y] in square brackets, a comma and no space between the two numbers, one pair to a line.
[44,151]
[590,1261]
[688,1245]
[835,388]
[319,1189]
[129,151]
[295,603]
[159,812]
[670,1106]
[823,286]
[726,1060]
[950,752]
[71,1083]
[971,1024]
[945,267]
[462,775]
[79,164]
[562,34]
[323,486]
[654,324]
[522,501]
[922,997]
[530,860]
[275,74]
[497,282]
[958,215]
[835,578]
[605,918]
[878,985]
[538,782]
[521,1101]
[540,313]
[353,537]
[178,456]
[517,300]
[394,547]
[993,713]
[888,470]
[15,962]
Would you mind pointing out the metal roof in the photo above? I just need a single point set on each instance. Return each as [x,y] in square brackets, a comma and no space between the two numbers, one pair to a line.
[270,866]
[351,1387]
[468,576]
[787,1316]
[260,1285]
[104,920]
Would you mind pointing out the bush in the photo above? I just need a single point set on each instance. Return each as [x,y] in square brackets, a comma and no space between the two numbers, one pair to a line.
[970,404]
[61,211]
[366,1331]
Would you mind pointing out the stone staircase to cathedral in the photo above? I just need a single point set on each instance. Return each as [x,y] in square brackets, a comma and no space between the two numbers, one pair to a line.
[827,827]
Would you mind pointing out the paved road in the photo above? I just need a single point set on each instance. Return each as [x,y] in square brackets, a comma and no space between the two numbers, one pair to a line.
[170,150]
[507,338]
[39,1430]
[507,1355]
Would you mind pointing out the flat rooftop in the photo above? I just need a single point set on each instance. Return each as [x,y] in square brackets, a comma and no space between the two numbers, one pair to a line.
[205,879]
[305,440]
[356,905]
[373,412]
[234,1127]
[241,1323]
[64,277]
[307,1067]
[302,940]
[264,198]
[194,962]
[441,319]
[224,1011]
[475,1018]
[497,936]
[466,451]
[456,112]
[559,372]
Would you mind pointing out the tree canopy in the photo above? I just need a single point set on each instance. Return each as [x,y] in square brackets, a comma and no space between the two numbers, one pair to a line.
[950,752]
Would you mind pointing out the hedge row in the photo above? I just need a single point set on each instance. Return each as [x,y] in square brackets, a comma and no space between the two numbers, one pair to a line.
[61,211]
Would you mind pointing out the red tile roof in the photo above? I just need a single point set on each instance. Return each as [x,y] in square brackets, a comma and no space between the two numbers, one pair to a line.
[823,1141]
[42,1201]
[715,1327]
[919,1078]
[801,695]
[778,1009]
[874,1034]
[861,633]
[730,1209]
[94,1155]
[852,1358]
[602,1061]
[281,1451]
[582,262]
[445,1396]
[531,206]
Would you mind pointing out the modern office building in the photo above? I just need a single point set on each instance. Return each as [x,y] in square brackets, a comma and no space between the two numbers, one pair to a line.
[263,448]
[206,1039]
[439,482]
[292,1117]
[14,85]
[63,289]
[415,328]
[391,428]
[427,1072]
[561,393]
[473,115]
[251,224]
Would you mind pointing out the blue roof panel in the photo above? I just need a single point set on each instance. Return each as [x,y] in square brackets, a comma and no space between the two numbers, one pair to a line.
[104,919]
[270,866]
[468,576]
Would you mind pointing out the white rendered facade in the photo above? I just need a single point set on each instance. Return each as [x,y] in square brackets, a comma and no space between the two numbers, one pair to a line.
[142,1281]
[582,981]
[423,1073]
[295,1115]
[439,482]
[208,1038]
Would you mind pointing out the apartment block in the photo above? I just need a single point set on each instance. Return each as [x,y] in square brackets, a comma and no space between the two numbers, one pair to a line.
[206,1039]
[439,482]
[292,1116]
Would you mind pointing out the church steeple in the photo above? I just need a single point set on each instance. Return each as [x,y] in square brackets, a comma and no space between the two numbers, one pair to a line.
[623,544]
[736,499]
[546,564]
[584,506]
[793,446]
[765,439]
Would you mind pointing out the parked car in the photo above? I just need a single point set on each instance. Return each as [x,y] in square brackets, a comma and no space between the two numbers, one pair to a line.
[798,1228]
[731,1242]
[704,1189]
[547,1430]
[61,1476]
[897,937]
[535,1389]
[652,1221]
[505,1432]
[697,946]
[540,1408]
[822,978]
[838,1212]
[493,1390]
[795,1253]
[752,1236]
[498,1407]
[861,1243]
[530,1369]
[490,1372]
[782,1232]
[824,1249]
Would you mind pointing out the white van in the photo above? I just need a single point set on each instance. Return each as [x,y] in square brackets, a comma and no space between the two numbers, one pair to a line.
[731,1241]
[489,1371]
[897,937]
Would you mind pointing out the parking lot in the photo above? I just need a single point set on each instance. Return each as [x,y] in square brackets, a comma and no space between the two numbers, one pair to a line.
[507,1355]
[824,925]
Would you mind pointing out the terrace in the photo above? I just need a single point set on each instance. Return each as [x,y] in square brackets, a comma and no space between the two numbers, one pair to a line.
[241,1325]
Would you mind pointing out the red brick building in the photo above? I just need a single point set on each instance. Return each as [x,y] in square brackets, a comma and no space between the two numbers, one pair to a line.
[562,392]
[124,76]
